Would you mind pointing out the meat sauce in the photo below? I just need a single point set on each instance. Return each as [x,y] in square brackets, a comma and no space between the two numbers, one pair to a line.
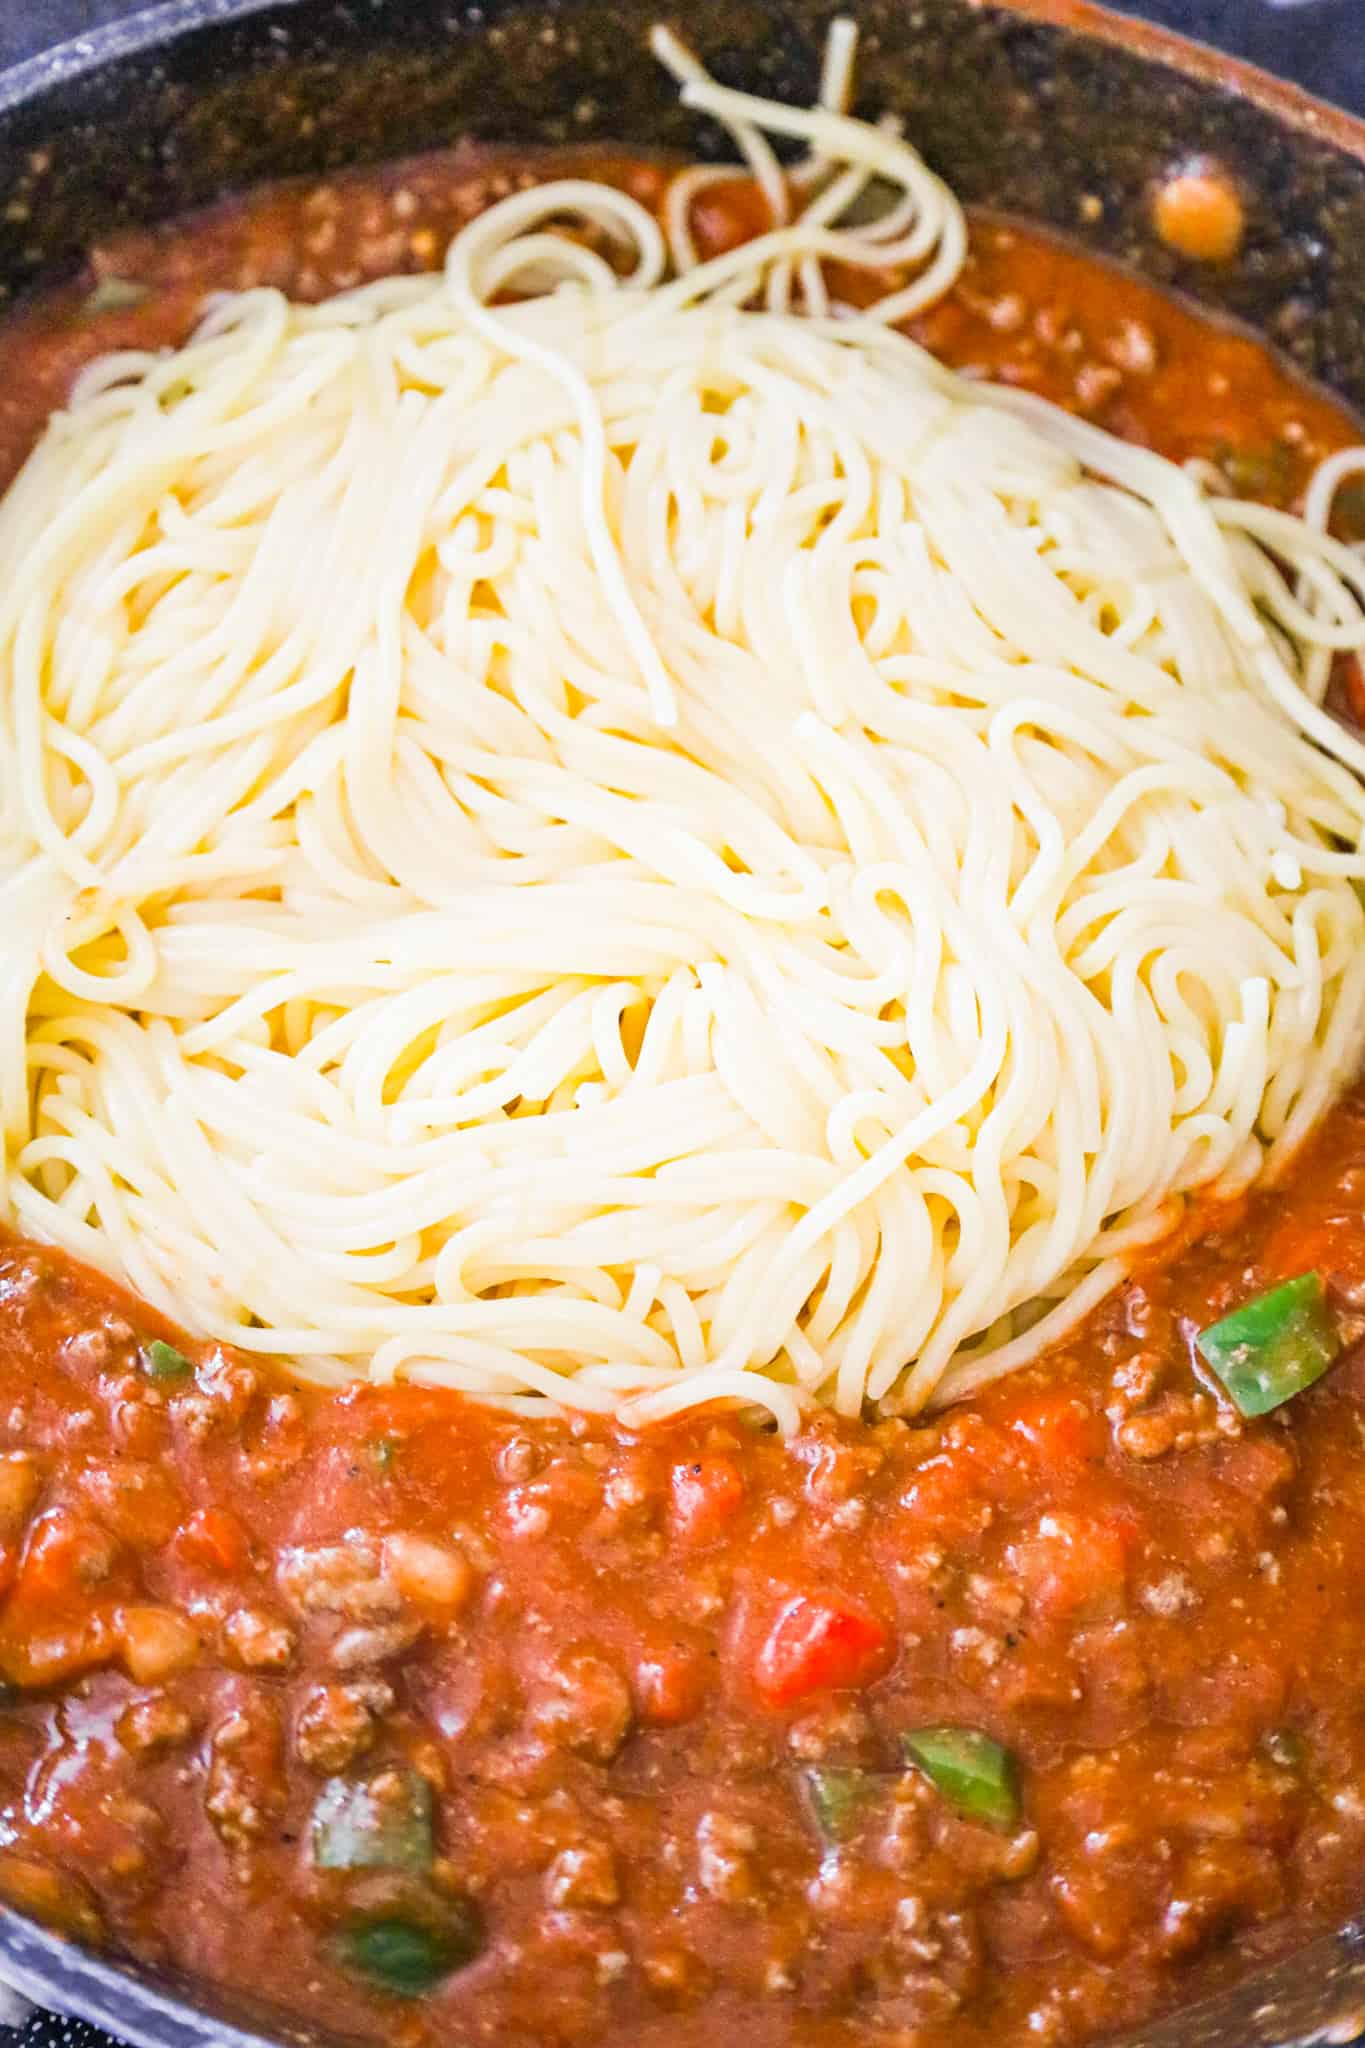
[433,1724]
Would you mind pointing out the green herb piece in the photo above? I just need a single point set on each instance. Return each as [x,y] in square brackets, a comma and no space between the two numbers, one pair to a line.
[1348,509]
[382,1825]
[114,295]
[1284,1747]
[408,1959]
[877,198]
[838,1797]
[384,1450]
[1261,473]
[161,1361]
[972,1771]
[1273,1347]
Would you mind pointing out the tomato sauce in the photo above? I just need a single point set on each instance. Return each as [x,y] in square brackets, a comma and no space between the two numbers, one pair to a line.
[433,1724]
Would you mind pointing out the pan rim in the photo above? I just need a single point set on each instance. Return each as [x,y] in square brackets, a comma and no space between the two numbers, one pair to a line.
[157,27]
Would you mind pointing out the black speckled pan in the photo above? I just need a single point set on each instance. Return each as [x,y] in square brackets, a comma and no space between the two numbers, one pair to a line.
[1047,108]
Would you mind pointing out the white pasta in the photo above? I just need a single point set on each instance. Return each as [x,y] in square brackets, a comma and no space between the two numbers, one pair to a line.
[641,846]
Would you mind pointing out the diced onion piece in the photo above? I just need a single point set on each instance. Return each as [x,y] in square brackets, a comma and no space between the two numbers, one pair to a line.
[56,1897]
[156,1643]
[433,1574]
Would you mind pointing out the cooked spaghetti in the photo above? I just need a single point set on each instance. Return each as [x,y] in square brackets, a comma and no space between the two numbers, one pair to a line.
[602,827]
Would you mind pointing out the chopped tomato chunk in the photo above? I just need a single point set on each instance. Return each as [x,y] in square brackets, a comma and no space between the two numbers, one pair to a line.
[212,1538]
[49,1655]
[707,1493]
[1061,1431]
[1073,1565]
[945,1499]
[816,1646]
[1260,1468]
[670,1684]
[1305,1242]
[65,1557]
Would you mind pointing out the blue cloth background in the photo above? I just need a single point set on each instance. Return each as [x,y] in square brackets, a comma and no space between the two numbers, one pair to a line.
[1321,43]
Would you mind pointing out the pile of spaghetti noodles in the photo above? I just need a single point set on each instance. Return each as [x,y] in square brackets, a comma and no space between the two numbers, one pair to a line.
[600,826]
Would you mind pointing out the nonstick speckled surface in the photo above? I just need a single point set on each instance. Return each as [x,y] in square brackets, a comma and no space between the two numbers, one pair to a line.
[1321,43]
[50,2030]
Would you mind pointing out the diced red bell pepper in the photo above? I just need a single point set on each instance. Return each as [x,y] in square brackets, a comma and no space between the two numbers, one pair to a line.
[820,1646]
[707,1494]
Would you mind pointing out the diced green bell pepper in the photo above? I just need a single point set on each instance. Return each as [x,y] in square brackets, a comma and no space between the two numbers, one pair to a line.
[384,1824]
[161,1361]
[972,1771]
[1273,1346]
[1285,1747]
[1263,473]
[407,1957]
[1348,510]
[114,295]
[838,1796]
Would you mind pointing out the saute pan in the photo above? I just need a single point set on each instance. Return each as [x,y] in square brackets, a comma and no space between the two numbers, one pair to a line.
[1048,108]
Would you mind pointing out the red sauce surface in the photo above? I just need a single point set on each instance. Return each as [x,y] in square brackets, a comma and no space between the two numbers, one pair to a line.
[1028,309]
[625,1717]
